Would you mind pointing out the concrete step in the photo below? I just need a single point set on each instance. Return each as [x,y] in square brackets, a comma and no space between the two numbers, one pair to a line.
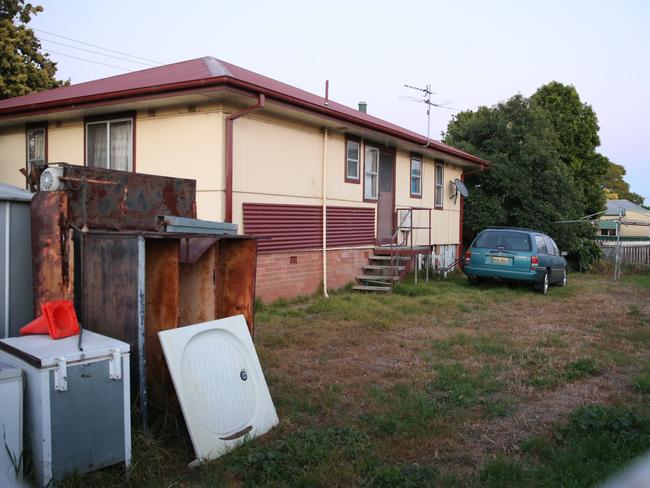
[378,277]
[401,250]
[371,288]
[388,258]
[379,267]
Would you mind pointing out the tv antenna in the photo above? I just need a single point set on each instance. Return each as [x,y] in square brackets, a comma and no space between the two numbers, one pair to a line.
[426,99]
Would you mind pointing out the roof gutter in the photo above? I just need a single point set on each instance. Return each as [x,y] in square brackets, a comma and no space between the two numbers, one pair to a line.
[261,101]
[77,102]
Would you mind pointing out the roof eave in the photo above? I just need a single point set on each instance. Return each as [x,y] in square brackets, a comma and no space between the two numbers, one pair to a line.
[77,102]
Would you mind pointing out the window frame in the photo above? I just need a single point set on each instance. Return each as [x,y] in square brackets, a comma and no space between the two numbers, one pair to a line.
[371,198]
[418,158]
[346,159]
[107,119]
[439,186]
[33,127]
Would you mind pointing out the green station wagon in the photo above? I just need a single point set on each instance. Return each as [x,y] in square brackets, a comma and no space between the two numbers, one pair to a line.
[517,255]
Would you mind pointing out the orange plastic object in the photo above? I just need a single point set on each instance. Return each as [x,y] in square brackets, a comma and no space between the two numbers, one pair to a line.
[59,319]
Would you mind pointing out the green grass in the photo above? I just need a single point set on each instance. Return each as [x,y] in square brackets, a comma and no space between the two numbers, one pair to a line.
[594,444]
[642,383]
[453,363]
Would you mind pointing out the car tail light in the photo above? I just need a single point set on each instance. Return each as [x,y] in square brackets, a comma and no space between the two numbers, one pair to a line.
[468,257]
[534,262]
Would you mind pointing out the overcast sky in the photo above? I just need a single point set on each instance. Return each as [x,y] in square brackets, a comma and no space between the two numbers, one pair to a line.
[472,53]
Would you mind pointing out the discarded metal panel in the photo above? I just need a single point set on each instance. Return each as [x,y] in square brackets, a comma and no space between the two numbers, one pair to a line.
[192,248]
[100,243]
[182,225]
[52,249]
[235,279]
[121,200]
[162,312]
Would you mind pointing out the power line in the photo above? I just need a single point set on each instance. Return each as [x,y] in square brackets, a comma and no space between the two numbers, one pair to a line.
[96,46]
[90,60]
[96,52]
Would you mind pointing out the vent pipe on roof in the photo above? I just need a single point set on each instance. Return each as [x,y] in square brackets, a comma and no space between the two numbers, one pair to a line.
[327,92]
[363,107]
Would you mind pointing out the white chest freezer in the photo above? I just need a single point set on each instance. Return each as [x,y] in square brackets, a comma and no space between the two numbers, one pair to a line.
[11,424]
[76,403]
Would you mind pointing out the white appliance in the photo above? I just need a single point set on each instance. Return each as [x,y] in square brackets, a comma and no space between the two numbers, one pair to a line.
[76,404]
[219,383]
[11,424]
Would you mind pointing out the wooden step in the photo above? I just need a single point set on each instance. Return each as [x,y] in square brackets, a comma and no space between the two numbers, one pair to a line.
[371,288]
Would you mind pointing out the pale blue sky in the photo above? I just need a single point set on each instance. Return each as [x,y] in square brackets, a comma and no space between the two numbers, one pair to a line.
[472,53]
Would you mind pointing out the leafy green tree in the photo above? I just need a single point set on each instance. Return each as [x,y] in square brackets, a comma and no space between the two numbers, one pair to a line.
[576,126]
[23,67]
[616,187]
[528,183]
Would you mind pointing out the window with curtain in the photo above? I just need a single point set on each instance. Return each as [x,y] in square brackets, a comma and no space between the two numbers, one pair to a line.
[372,173]
[36,147]
[416,176]
[352,158]
[109,144]
[439,189]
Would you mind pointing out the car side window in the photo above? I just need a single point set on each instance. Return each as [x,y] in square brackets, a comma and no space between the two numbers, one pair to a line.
[557,251]
[550,246]
[541,245]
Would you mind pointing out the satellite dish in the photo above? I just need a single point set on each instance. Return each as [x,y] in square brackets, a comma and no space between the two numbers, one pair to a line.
[460,189]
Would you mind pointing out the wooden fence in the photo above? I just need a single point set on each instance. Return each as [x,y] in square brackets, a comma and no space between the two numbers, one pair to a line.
[629,254]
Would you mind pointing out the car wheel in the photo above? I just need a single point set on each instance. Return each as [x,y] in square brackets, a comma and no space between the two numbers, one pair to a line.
[565,278]
[543,286]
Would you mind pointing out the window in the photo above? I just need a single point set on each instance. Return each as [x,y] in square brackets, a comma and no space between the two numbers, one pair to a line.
[36,146]
[109,144]
[439,189]
[352,160]
[550,246]
[372,173]
[541,245]
[506,240]
[608,232]
[416,176]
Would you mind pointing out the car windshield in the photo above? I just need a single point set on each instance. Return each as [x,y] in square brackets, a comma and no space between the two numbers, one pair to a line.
[511,241]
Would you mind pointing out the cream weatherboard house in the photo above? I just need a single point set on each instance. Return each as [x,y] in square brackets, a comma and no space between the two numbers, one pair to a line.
[266,156]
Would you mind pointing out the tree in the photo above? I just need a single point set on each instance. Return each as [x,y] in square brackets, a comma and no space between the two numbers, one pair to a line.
[23,67]
[576,126]
[528,184]
[616,187]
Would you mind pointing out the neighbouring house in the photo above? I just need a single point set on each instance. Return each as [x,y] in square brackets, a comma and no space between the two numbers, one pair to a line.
[266,155]
[635,225]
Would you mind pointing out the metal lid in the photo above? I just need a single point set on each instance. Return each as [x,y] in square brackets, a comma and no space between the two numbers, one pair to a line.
[41,351]
[10,192]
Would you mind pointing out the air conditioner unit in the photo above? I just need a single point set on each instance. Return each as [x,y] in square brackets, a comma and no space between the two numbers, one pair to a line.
[51,179]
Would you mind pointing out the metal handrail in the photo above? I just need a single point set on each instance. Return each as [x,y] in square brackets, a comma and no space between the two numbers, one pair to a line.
[409,236]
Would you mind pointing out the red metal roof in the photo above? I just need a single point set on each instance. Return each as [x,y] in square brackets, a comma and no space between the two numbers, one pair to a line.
[205,72]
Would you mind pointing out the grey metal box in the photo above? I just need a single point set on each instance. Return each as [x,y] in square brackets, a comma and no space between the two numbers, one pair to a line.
[77,403]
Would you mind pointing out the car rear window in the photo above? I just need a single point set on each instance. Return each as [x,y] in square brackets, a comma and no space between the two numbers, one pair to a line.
[510,241]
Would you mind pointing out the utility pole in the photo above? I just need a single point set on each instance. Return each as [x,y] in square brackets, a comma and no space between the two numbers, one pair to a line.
[617,262]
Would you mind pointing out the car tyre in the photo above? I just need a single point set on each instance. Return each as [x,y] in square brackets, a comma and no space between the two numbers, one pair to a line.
[543,286]
[565,278]
[474,281]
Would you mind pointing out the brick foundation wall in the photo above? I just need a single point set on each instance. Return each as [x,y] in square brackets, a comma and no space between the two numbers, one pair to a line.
[289,274]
